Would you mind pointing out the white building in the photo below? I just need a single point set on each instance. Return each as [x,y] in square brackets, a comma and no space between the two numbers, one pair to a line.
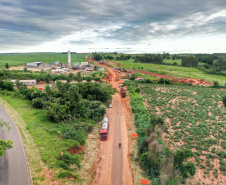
[34,64]
[84,63]
[26,82]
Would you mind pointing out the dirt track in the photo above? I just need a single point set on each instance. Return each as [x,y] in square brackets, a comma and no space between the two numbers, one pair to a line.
[113,167]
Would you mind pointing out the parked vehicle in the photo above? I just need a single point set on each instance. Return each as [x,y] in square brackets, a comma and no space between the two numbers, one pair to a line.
[104,131]
[123,92]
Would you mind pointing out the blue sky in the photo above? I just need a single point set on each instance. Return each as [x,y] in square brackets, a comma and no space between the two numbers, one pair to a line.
[131,26]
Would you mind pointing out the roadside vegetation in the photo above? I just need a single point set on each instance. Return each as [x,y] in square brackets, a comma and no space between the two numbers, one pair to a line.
[178,124]
[59,119]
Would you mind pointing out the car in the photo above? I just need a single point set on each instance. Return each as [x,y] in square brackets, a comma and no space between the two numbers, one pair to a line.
[110,106]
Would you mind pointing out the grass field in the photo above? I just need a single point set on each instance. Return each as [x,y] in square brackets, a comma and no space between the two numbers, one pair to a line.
[23,58]
[176,71]
[195,119]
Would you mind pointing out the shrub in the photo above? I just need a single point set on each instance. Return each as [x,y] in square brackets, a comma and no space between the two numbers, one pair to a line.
[223,144]
[224,100]
[38,103]
[67,174]
[215,83]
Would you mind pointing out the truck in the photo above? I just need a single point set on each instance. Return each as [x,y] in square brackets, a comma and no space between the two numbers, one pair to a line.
[104,131]
[121,85]
[123,92]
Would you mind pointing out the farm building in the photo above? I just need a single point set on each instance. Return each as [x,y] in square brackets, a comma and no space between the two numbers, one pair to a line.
[26,82]
[33,64]
[57,71]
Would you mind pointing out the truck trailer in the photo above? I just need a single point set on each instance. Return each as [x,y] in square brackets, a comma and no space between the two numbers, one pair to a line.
[104,131]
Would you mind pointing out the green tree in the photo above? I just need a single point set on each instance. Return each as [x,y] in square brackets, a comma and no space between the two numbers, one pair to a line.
[189,61]
[4,145]
[48,92]
[6,65]
[215,83]
[70,77]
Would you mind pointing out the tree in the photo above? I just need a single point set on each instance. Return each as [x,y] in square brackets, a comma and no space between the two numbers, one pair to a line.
[189,61]
[70,77]
[215,83]
[97,57]
[4,145]
[48,92]
[6,65]
[25,69]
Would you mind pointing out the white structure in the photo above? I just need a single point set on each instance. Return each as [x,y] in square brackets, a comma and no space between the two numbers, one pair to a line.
[84,63]
[101,69]
[57,71]
[69,59]
[26,82]
[34,64]
[65,69]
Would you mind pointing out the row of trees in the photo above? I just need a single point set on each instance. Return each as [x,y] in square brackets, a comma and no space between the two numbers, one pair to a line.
[149,58]
[70,101]
[45,76]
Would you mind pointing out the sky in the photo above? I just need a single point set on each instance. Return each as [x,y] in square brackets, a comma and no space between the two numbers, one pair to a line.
[128,26]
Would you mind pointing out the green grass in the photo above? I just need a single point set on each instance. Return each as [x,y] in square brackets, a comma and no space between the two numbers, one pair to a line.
[176,71]
[23,58]
[47,135]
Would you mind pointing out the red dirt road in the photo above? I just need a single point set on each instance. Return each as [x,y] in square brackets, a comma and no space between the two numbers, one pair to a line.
[113,167]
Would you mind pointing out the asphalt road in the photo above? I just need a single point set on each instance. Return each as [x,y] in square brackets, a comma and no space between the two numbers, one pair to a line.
[13,165]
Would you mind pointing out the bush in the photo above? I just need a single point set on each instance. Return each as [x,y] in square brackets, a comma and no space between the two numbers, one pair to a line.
[81,136]
[69,159]
[67,174]
[38,103]
[215,83]
[224,100]
[223,144]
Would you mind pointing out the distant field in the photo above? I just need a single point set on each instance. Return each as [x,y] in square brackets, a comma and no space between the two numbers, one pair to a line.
[176,71]
[23,58]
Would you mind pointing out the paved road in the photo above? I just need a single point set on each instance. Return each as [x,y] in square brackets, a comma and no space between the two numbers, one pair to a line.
[13,165]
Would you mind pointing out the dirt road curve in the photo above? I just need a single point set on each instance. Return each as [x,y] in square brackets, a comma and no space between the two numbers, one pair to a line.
[13,165]
[113,167]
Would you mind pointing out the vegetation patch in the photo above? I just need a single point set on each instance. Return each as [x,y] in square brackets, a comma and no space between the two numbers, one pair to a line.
[188,122]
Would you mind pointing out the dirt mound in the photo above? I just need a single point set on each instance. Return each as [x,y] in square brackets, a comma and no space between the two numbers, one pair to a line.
[76,150]
[181,80]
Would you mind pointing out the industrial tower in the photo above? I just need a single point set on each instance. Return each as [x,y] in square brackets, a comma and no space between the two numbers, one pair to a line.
[69,59]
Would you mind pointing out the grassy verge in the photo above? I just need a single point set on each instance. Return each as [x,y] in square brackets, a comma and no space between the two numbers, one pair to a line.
[32,153]
[43,137]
